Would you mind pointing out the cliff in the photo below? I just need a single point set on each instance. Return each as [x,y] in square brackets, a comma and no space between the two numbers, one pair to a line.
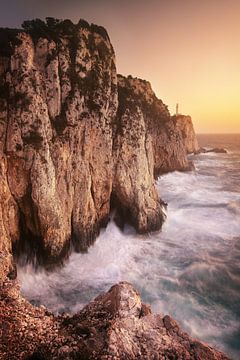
[171,138]
[57,110]
[185,126]
[71,134]
[116,325]
[134,189]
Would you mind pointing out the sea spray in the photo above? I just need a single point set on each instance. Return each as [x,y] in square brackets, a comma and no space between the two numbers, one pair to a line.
[189,270]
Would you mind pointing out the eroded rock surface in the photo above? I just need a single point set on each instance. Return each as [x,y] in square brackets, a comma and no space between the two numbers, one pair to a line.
[56,114]
[116,325]
[133,183]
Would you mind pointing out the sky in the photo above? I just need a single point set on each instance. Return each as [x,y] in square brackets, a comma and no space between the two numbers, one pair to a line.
[188,49]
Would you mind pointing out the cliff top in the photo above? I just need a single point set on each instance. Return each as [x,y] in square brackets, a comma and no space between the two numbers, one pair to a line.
[51,29]
[138,92]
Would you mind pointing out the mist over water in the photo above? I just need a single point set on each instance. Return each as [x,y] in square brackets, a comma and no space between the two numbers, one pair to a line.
[190,270]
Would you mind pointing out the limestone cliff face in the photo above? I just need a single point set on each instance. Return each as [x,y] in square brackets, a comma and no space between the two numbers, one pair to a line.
[185,126]
[168,139]
[58,100]
[133,184]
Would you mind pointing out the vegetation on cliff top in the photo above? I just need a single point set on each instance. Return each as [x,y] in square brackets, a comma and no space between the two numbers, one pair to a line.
[51,29]
[155,109]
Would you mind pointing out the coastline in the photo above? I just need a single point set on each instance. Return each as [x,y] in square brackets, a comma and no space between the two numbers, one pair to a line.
[72,132]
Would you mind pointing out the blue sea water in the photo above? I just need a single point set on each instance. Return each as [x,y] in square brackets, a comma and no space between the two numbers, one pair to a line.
[190,270]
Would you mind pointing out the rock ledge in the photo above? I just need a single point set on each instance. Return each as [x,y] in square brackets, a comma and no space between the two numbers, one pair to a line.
[116,325]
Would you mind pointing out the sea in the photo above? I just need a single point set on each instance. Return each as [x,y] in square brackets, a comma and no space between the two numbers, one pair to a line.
[190,269]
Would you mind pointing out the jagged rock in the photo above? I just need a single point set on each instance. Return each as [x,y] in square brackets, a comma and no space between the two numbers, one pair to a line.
[150,142]
[203,150]
[218,150]
[116,325]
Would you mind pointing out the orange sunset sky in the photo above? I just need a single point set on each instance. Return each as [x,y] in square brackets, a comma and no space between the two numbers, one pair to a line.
[189,50]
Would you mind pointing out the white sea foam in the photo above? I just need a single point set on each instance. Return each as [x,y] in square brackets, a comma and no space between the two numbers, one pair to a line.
[190,269]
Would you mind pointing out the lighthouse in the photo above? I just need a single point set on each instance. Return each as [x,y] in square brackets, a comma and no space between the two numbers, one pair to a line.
[177,109]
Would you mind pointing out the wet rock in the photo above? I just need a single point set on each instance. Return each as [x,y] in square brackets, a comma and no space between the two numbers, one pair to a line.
[74,141]
[147,142]
[219,150]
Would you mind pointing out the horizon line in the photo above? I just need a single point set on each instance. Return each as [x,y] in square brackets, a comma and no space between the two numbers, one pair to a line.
[222,133]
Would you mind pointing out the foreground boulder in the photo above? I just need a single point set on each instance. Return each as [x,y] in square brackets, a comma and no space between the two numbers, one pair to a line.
[116,325]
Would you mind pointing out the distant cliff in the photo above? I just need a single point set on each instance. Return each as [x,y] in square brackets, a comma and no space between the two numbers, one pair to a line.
[171,137]
[185,126]
[76,140]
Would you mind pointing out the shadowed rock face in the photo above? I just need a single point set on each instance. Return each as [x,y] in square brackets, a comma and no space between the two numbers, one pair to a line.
[116,325]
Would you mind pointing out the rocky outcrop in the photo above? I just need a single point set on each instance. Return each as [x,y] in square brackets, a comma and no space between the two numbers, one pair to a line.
[184,124]
[116,325]
[170,137]
[217,150]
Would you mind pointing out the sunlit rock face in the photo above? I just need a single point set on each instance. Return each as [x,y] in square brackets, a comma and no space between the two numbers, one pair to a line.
[58,101]
[184,124]
[74,140]
[170,139]
[116,325]
[133,186]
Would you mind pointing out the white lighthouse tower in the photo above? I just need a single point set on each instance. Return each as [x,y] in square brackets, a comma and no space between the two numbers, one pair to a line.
[177,107]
